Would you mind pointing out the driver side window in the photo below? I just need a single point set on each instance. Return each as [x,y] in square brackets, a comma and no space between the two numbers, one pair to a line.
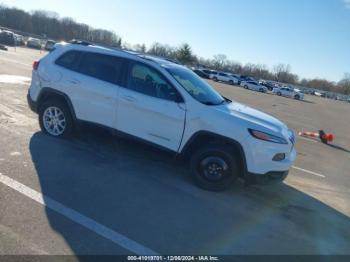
[146,80]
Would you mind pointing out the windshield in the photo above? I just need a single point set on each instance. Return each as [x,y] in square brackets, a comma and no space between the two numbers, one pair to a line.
[196,87]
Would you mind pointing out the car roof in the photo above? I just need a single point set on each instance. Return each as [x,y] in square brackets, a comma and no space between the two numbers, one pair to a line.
[161,61]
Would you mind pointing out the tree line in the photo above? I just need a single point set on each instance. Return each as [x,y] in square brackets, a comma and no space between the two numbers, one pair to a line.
[280,73]
[49,24]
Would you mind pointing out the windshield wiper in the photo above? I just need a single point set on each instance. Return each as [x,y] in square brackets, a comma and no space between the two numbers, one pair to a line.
[209,103]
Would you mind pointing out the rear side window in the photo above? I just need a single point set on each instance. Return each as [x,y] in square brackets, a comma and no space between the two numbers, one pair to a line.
[69,60]
[104,67]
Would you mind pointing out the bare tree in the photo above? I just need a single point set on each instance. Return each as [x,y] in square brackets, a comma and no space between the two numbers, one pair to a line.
[41,22]
[344,84]
[219,62]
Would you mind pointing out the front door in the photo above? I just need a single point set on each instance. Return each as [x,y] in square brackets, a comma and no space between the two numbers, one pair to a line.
[149,107]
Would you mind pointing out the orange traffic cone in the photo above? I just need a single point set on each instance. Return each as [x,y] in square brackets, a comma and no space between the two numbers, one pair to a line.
[325,137]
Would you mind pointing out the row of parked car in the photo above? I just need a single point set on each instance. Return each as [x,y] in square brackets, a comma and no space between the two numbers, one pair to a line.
[250,83]
[10,38]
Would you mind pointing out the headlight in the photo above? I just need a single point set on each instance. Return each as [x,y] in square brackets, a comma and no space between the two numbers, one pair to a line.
[267,137]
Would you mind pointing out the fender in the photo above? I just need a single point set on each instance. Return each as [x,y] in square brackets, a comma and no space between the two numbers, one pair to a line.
[47,92]
[199,137]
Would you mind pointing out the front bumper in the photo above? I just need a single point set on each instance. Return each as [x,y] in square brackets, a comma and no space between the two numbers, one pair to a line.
[267,178]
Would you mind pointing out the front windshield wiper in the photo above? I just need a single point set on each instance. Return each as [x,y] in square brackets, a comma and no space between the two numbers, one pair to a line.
[209,103]
[223,101]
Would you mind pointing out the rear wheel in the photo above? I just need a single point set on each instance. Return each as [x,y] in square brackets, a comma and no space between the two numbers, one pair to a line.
[214,168]
[261,90]
[231,82]
[279,93]
[297,97]
[55,118]
[246,87]
[215,79]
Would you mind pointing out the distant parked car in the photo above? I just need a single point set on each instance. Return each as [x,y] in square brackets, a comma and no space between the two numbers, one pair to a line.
[34,43]
[288,92]
[7,38]
[225,77]
[253,85]
[19,40]
[201,73]
[207,71]
[213,74]
[49,46]
[321,94]
[270,86]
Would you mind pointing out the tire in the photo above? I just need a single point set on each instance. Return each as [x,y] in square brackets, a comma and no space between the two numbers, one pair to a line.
[297,97]
[230,82]
[246,87]
[55,118]
[261,90]
[279,93]
[215,79]
[214,167]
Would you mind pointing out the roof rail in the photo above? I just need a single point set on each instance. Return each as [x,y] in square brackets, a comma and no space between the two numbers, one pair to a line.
[80,42]
[130,52]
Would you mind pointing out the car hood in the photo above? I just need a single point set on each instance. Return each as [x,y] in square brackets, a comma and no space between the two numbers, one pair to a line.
[254,117]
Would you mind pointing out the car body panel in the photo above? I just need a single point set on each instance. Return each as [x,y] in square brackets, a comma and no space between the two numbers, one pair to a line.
[166,123]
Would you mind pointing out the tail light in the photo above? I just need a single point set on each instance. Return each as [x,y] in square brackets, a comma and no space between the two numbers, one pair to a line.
[36,65]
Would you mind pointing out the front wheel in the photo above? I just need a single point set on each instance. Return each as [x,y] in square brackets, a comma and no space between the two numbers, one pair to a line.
[215,79]
[231,82]
[246,87]
[214,168]
[55,118]
[297,97]
[279,93]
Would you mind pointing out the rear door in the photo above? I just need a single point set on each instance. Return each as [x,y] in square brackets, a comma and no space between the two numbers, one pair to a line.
[95,88]
[150,107]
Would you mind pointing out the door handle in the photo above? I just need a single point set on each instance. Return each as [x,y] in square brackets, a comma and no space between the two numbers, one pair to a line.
[129,98]
[74,81]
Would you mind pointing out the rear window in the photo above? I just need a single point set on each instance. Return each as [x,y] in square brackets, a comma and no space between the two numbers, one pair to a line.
[104,67]
[69,60]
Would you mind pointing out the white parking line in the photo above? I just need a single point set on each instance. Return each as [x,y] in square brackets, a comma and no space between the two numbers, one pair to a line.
[308,171]
[77,217]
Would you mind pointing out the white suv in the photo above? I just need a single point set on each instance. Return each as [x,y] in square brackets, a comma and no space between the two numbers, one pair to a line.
[225,77]
[164,104]
[288,92]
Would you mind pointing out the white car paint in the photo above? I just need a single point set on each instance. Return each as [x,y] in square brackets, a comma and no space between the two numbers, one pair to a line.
[165,123]
[288,92]
[255,86]
[225,77]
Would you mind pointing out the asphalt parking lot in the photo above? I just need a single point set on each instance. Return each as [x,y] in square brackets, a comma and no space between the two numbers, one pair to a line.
[96,194]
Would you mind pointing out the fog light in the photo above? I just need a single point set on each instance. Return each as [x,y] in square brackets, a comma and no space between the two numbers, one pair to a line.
[279,157]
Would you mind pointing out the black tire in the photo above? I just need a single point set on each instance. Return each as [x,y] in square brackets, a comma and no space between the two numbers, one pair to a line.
[261,90]
[215,79]
[231,82]
[69,123]
[279,93]
[246,87]
[203,162]
[297,97]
